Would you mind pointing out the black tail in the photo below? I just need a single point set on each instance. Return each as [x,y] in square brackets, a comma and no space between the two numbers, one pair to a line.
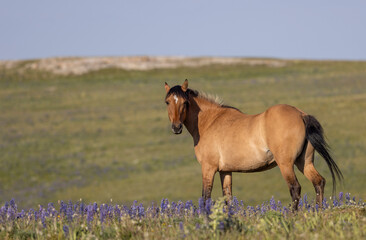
[315,135]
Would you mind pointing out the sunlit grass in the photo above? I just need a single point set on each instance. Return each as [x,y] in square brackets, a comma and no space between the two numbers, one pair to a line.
[106,134]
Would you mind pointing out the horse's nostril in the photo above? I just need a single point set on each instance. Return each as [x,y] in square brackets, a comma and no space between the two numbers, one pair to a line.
[177,128]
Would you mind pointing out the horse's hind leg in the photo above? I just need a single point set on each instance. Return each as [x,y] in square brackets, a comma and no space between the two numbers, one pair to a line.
[226,185]
[288,173]
[305,163]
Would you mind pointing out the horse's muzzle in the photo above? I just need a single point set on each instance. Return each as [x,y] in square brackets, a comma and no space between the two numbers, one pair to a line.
[177,128]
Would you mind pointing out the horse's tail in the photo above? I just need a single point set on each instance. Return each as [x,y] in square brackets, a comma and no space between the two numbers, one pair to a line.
[315,135]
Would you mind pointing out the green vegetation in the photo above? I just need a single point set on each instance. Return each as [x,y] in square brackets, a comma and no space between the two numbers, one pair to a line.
[105,135]
[341,218]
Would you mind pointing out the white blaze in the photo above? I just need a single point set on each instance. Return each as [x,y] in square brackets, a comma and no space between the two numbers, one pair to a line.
[175,98]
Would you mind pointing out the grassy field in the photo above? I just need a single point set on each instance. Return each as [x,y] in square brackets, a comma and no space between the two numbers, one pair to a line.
[342,218]
[105,134]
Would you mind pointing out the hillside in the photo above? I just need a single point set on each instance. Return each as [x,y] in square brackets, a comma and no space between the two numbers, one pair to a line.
[97,128]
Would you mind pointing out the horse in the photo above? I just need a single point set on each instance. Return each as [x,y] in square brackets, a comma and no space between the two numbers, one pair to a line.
[226,140]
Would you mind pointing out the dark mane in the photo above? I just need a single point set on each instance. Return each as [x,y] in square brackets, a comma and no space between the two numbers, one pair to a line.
[177,90]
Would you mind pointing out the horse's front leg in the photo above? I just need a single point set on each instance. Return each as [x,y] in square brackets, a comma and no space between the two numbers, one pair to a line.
[208,174]
[226,185]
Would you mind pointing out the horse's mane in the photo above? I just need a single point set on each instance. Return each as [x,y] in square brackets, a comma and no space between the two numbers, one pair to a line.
[213,98]
[190,92]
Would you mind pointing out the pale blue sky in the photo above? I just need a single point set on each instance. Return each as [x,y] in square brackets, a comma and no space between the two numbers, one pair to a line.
[322,29]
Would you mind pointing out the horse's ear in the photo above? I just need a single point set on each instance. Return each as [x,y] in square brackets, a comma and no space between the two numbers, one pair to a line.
[167,88]
[185,85]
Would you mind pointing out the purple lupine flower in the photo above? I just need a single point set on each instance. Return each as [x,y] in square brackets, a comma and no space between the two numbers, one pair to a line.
[235,202]
[90,214]
[181,227]
[231,210]
[13,205]
[95,208]
[141,211]
[222,225]
[43,216]
[300,203]
[133,210]
[117,213]
[2,214]
[257,209]
[272,203]
[163,205]
[50,210]
[65,228]
[340,197]
[208,206]
[69,211]
[317,207]
[305,199]
[173,208]
[201,206]
[348,198]
[279,205]
[335,202]
[11,215]
[198,226]
[263,209]
[36,215]
[30,213]
[180,207]
[63,208]
[21,214]
[102,212]
[188,205]
[82,209]
[110,211]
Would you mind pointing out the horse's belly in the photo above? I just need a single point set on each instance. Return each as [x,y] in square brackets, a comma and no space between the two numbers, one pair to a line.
[255,161]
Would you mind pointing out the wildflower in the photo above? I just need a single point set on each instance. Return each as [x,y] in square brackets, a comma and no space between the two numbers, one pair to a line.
[102,212]
[69,211]
[117,212]
[272,203]
[201,206]
[95,208]
[43,217]
[340,196]
[348,198]
[141,211]
[208,206]
[65,228]
[181,227]
[63,208]
[90,214]
[197,226]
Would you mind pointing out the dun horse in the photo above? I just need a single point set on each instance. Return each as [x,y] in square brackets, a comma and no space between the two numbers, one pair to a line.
[227,140]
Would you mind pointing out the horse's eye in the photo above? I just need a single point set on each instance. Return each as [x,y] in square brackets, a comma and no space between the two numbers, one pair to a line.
[167,103]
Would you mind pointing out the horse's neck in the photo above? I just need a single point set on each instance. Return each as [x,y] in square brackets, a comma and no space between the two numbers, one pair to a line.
[201,113]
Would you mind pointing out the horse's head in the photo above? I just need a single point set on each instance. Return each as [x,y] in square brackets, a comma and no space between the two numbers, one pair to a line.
[176,100]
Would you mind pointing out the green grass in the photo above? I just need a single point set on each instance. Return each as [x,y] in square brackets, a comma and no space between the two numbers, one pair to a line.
[345,219]
[106,134]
